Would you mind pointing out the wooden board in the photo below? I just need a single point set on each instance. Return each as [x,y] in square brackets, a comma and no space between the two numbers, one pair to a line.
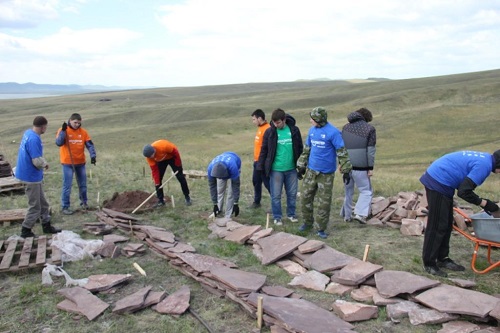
[195,174]
[10,184]
[12,215]
[26,253]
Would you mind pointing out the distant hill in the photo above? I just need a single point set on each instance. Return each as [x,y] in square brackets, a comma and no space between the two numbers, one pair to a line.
[65,89]
[56,89]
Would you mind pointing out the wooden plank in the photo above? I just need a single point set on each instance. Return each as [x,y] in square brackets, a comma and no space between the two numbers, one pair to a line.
[24,260]
[56,255]
[9,254]
[41,250]
[13,215]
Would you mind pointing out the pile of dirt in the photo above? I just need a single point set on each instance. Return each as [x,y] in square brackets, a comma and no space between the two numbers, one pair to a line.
[127,201]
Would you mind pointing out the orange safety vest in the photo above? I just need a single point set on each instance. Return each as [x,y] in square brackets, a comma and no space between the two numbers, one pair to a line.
[259,137]
[75,139]
[164,150]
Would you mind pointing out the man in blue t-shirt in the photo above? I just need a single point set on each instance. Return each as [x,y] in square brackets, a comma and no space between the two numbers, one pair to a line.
[29,169]
[318,162]
[224,172]
[462,171]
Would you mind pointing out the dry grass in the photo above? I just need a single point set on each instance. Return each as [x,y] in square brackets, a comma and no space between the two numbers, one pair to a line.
[416,120]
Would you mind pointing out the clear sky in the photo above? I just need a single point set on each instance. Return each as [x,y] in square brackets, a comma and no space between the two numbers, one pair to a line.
[167,43]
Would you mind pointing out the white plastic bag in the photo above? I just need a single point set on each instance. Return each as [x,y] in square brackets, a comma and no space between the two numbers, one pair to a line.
[58,271]
[73,247]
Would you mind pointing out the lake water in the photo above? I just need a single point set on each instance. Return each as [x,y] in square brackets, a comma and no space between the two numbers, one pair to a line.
[20,96]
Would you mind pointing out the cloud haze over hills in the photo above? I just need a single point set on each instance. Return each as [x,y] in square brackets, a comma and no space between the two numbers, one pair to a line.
[193,42]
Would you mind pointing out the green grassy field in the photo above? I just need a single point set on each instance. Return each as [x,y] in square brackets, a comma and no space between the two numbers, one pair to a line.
[417,121]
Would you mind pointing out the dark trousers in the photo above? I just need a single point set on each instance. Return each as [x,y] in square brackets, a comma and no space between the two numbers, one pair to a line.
[439,227]
[258,178]
[162,167]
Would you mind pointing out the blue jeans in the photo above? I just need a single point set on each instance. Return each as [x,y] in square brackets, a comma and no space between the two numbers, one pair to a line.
[277,180]
[81,179]
[258,178]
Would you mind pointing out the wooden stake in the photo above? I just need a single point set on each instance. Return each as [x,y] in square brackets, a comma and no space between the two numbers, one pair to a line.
[90,173]
[172,199]
[139,268]
[267,221]
[135,210]
[131,228]
[367,249]
[260,300]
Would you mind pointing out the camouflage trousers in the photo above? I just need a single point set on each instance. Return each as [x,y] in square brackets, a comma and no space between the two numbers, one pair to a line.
[317,190]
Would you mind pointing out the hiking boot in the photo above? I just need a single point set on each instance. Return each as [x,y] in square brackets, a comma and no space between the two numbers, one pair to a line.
[322,234]
[254,205]
[360,219]
[278,222]
[450,264]
[26,232]
[159,204]
[434,270]
[293,219]
[188,201]
[47,228]
[305,227]
[67,211]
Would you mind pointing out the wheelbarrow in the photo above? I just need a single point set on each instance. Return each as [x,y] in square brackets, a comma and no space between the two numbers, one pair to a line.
[486,234]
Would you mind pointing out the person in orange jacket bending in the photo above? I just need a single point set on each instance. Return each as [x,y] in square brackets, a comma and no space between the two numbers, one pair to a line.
[159,155]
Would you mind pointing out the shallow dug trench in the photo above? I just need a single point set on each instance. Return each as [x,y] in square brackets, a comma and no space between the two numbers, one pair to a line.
[128,201]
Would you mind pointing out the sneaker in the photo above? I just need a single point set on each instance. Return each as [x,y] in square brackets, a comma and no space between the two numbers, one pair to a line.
[159,204]
[84,206]
[305,227]
[49,229]
[348,220]
[254,205]
[293,219]
[450,264]
[322,234]
[188,201]
[434,270]
[67,211]
[278,222]
[26,232]
[360,219]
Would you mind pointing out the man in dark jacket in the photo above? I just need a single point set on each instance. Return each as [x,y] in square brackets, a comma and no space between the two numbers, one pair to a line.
[462,171]
[278,157]
[359,139]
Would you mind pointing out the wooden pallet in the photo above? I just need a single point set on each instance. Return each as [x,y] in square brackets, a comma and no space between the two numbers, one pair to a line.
[10,184]
[12,215]
[27,253]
